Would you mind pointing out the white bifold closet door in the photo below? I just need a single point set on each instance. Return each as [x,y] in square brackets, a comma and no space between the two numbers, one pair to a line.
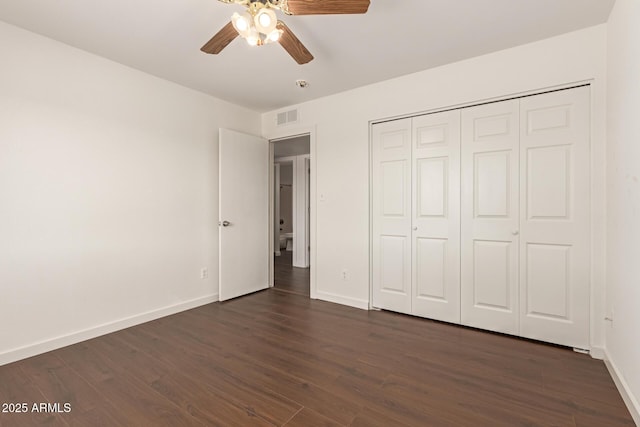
[525,217]
[436,216]
[480,216]
[490,217]
[391,223]
[555,219]
[416,216]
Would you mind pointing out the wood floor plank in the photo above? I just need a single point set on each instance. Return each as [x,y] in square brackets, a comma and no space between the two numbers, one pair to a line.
[472,403]
[126,386]
[309,418]
[260,374]
[369,417]
[275,351]
[203,404]
[593,413]
[219,383]
[62,385]
[96,417]
[288,278]
[585,378]
[17,388]
[189,387]
[277,358]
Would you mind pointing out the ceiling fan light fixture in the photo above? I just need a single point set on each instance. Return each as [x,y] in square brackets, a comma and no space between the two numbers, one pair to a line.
[258,24]
[253,37]
[242,23]
[265,21]
[274,35]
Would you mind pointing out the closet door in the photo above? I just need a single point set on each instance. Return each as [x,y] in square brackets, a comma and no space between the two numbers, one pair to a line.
[436,216]
[489,249]
[391,215]
[554,204]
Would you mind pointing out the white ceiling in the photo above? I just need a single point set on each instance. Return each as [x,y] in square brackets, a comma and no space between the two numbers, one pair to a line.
[396,37]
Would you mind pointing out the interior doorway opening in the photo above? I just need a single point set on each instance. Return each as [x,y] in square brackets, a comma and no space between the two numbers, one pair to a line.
[291,214]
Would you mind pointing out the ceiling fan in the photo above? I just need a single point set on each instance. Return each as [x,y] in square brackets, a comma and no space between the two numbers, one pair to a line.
[258,24]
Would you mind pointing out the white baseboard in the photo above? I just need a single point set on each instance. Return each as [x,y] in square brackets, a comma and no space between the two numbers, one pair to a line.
[628,397]
[339,299]
[106,328]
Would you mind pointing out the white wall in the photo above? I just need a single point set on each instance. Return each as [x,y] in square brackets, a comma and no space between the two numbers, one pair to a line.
[108,194]
[623,195]
[342,145]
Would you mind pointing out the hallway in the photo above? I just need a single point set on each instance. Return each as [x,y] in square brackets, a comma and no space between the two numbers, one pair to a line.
[288,278]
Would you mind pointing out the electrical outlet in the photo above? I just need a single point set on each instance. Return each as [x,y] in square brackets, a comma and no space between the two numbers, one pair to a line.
[345,274]
[204,273]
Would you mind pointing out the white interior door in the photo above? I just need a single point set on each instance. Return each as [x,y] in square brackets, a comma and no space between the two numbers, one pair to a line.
[436,216]
[490,217]
[554,205]
[244,214]
[391,215]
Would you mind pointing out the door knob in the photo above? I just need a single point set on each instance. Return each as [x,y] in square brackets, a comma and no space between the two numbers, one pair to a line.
[515,232]
[415,228]
[224,223]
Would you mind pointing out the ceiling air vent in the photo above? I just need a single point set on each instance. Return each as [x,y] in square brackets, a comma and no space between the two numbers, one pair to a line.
[287,117]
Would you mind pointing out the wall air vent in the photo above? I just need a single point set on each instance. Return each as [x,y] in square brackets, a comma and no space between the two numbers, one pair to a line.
[287,117]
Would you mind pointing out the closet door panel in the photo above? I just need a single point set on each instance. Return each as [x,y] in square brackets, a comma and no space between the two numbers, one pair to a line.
[490,212]
[431,274]
[433,187]
[547,281]
[492,275]
[554,271]
[391,216]
[436,216]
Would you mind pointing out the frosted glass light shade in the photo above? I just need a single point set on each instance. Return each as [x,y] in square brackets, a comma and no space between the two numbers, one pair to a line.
[265,21]
[274,35]
[253,38]
[242,23]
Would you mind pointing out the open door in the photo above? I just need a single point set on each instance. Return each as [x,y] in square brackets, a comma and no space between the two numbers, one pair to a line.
[244,214]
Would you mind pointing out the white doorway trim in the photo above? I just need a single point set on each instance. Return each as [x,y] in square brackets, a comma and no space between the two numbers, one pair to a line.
[288,134]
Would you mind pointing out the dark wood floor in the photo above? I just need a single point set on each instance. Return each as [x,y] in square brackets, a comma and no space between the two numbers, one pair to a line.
[288,278]
[277,358]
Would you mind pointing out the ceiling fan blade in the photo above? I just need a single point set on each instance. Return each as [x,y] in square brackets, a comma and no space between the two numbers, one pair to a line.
[327,7]
[292,45]
[218,42]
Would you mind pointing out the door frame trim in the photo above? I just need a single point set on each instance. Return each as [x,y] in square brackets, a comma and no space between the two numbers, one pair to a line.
[288,133]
